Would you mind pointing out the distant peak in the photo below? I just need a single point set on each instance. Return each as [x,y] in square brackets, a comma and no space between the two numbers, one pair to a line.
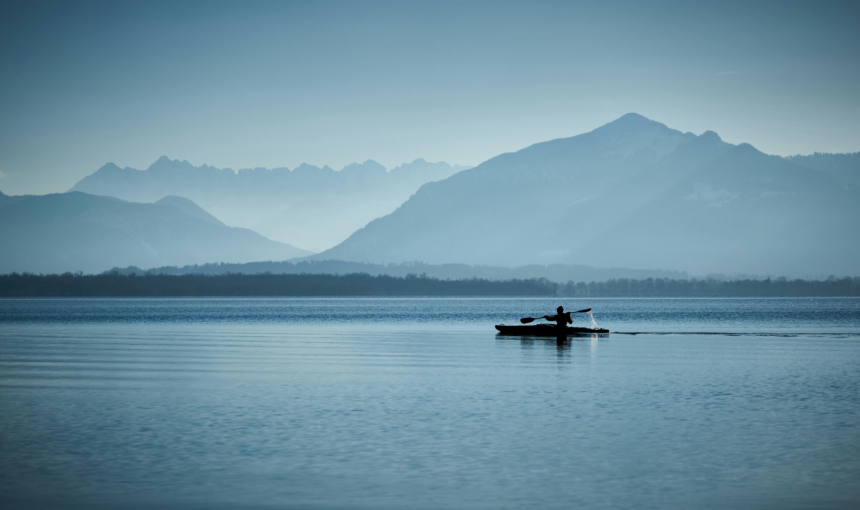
[304,167]
[173,198]
[108,167]
[745,148]
[710,136]
[165,163]
[633,117]
[373,165]
[418,165]
[368,165]
[632,122]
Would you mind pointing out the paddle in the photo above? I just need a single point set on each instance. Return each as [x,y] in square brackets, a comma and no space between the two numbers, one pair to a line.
[526,320]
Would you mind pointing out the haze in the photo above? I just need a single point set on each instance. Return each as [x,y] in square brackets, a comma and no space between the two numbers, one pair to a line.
[278,84]
[429,254]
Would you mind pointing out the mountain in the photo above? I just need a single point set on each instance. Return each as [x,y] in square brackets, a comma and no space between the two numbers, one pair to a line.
[842,166]
[80,232]
[310,206]
[633,193]
[189,208]
[519,208]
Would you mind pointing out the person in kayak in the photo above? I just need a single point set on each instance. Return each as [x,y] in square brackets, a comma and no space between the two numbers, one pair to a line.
[561,318]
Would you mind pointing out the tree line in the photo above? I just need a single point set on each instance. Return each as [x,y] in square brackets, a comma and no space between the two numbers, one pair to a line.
[664,287]
[360,284]
[357,284]
[553,272]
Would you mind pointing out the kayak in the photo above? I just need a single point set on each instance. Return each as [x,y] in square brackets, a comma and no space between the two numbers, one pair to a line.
[546,330]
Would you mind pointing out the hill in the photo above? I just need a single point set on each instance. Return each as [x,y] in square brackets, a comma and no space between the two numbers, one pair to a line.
[80,232]
[8,200]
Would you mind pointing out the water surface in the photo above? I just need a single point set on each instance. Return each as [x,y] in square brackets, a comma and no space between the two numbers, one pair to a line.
[416,403]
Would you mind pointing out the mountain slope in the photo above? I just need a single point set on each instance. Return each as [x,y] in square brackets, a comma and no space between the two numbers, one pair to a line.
[593,217]
[189,208]
[80,232]
[745,212]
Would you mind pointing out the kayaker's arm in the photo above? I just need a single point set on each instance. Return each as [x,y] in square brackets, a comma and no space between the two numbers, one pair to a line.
[565,316]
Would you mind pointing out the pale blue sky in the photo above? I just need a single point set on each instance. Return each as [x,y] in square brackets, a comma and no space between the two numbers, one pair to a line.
[277,84]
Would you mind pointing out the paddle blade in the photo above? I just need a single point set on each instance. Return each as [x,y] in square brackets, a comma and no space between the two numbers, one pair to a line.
[583,311]
[526,320]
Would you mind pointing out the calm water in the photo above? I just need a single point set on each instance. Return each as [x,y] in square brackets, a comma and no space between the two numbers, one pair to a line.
[415,403]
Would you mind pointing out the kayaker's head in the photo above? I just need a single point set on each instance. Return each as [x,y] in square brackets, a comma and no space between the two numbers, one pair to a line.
[560,309]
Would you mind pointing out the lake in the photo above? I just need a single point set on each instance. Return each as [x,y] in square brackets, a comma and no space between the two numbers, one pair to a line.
[416,403]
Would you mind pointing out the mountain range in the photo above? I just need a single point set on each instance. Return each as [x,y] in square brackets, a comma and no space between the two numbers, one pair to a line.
[632,193]
[80,232]
[308,206]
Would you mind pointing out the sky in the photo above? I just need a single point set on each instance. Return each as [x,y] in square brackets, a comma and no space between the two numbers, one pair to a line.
[257,84]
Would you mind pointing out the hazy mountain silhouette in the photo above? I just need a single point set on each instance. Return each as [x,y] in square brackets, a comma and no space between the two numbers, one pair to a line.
[842,166]
[308,206]
[632,193]
[79,232]
[518,208]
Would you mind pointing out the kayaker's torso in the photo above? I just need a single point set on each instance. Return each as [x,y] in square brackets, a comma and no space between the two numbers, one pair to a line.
[561,320]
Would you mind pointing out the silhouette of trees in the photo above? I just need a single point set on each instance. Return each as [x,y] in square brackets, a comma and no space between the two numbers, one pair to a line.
[660,287]
[361,284]
[265,284]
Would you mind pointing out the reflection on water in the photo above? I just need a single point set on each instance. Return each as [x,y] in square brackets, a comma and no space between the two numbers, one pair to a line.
[562,343]
[418,404]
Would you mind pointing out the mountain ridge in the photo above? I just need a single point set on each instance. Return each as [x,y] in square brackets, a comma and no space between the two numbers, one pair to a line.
[598,181]
[567,170]
[308,205]
[76,231]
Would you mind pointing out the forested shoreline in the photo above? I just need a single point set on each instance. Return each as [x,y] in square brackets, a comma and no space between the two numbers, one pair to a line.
[360,284]
[662,287]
